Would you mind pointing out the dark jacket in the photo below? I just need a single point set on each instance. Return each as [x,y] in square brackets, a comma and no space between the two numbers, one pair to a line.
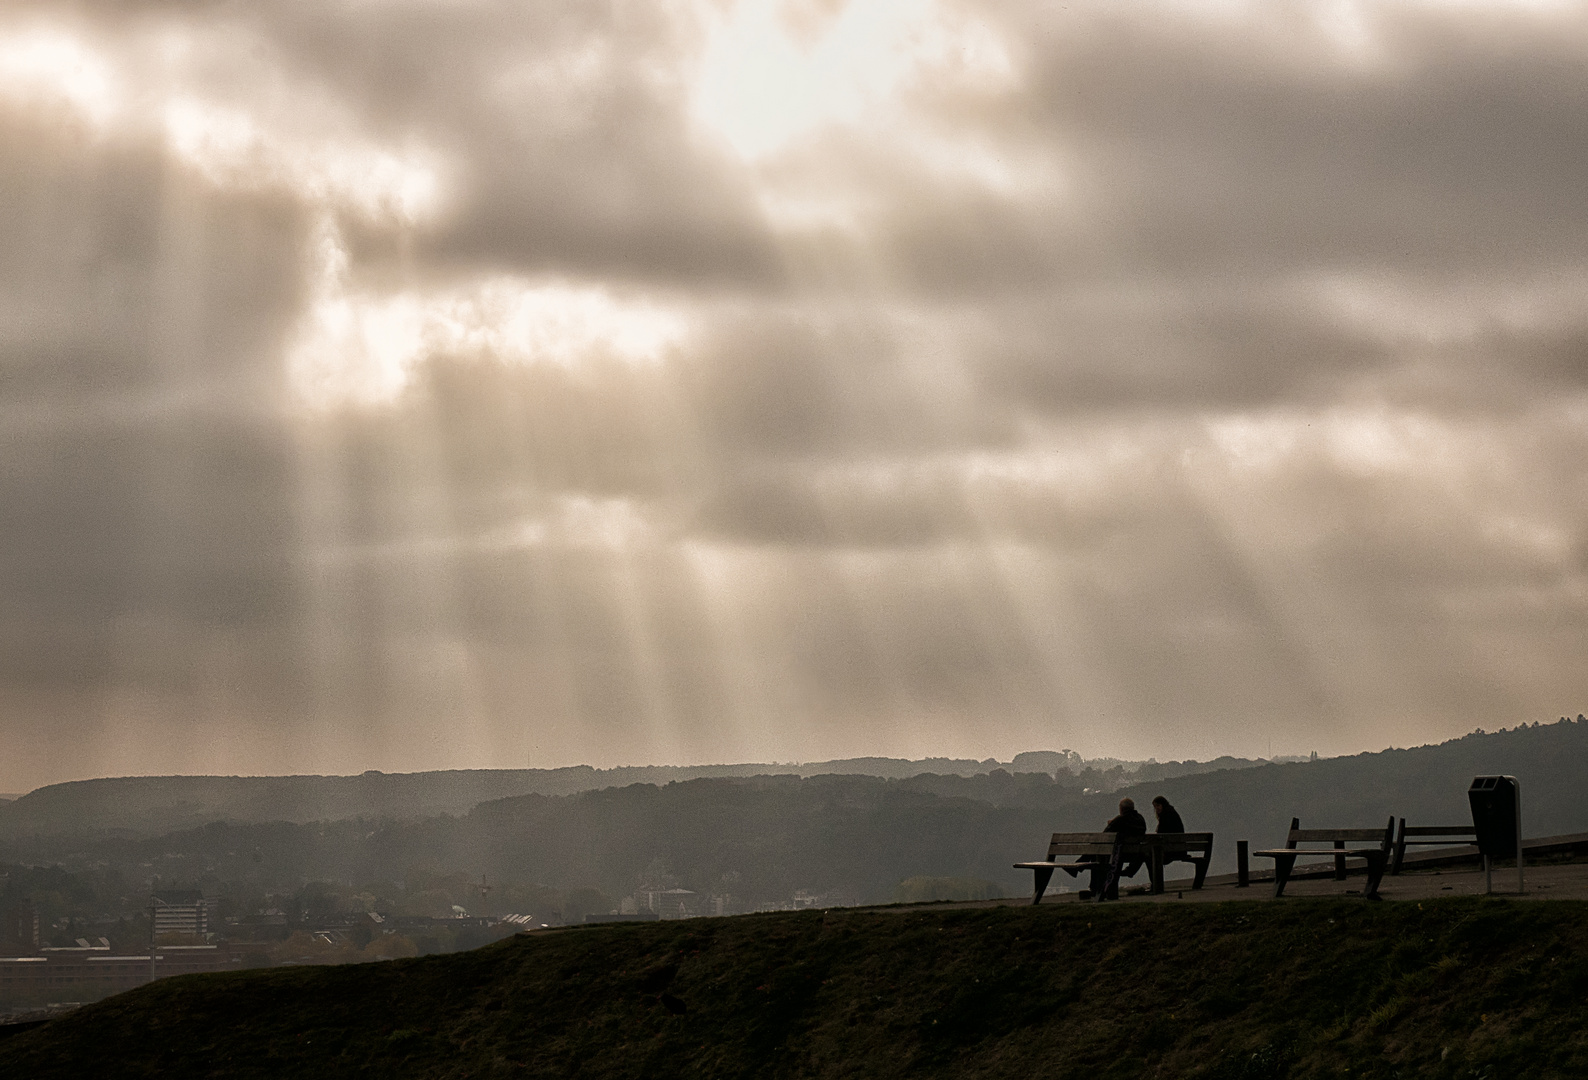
[1130,822]
[1170,820]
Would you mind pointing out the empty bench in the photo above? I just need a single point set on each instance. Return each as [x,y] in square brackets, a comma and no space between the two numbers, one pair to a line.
[1421,835]
[1371,844]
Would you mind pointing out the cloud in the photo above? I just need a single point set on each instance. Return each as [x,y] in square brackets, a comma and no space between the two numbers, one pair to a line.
[428,385]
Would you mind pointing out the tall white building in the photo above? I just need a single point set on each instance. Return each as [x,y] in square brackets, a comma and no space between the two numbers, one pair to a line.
[181,911]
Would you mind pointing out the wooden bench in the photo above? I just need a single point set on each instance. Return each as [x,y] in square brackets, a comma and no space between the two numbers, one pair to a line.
[1074,852]
[1377,855]
[1195,848]
[1439,835]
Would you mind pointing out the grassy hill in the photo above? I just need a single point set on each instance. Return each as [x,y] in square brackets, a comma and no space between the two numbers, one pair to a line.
[1239,990]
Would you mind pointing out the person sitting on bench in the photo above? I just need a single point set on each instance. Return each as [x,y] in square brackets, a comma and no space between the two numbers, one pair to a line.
[1127,823]
[1168,816]
[1169,822]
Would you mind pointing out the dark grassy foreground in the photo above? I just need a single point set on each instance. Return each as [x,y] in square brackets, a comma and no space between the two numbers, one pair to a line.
[1243,990]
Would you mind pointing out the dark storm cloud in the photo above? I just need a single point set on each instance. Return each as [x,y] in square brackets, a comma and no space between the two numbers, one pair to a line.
[1148,380]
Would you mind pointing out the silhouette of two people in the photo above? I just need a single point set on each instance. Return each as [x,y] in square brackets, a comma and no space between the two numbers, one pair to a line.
[1129,822]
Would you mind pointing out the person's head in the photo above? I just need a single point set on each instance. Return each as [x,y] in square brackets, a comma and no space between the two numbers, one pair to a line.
[1159,805]
[1126,804]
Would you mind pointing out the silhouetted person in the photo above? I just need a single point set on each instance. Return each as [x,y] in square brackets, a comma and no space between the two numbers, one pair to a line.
[1168,816]
[1127,823]
[1169,822]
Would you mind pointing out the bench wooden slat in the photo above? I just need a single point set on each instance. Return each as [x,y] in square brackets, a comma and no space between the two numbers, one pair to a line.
[1456,841]
[1181,841]
[1320,853]
[1090,843]
[1318,836]
[1439,830]
[1083,837]
[1080,849]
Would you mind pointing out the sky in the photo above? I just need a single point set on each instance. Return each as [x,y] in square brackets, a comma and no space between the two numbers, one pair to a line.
[413,384]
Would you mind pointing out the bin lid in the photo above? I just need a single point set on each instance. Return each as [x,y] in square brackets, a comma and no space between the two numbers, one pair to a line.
[1489,783]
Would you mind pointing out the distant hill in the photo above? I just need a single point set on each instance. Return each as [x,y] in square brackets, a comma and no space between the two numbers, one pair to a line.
[1306,988]
[152,805]
[854,837]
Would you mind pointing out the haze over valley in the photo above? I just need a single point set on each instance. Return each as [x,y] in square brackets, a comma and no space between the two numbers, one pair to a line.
[745,842]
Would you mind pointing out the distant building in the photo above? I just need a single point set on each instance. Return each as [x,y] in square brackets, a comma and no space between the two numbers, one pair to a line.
[678,904]
[19,932]
[181,911]
[84,973]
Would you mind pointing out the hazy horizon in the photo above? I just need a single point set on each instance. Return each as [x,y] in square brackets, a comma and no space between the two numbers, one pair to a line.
[1006,762]
[431,385]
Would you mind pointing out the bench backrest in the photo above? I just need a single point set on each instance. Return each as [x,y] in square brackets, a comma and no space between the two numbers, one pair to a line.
[1384,837]
[1132,843]
[1183,841]
[1087,843]
[1438,834]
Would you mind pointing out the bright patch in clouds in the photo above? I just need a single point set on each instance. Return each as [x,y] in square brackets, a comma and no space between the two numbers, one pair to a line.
[776,71]
[51,68]
[231,149]
[1363,441]
[304,148]
[583,522]
[362,347]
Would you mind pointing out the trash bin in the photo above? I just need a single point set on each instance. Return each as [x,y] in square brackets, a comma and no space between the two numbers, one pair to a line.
[1497,817]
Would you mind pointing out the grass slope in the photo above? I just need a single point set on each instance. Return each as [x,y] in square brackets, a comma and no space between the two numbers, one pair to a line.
[1454,988]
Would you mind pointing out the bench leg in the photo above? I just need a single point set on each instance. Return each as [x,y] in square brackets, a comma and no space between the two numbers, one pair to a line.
[1282,867]
[1112,871]
[1339,862]
[1201,872]
[1043,876]
[1155,863]
[1105,876]
[1375,874]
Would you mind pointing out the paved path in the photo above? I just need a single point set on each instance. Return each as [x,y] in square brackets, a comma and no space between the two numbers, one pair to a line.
[1550,881]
